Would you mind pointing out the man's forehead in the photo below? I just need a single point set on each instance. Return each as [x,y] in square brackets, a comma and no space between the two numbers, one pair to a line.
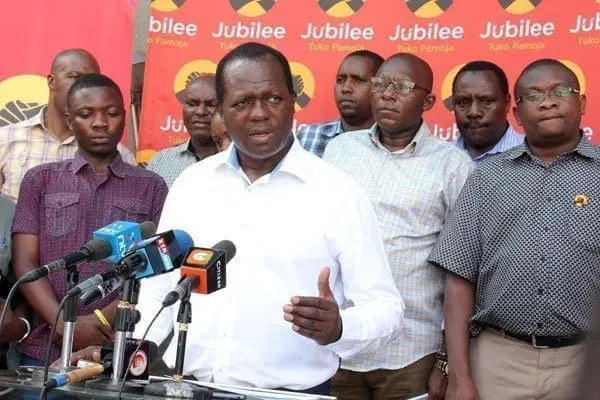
[94,96]
[477,79]
[356,63]
[546,76]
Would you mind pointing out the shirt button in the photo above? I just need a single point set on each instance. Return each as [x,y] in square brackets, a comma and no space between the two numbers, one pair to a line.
[543,259]
[540,291]
[549,199]
[539,324]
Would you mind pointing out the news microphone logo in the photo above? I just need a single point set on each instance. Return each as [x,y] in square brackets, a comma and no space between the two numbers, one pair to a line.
[121,235]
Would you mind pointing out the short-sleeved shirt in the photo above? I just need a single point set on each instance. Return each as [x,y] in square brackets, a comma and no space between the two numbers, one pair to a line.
[63,203]
[169,163]
[527,235]
[7,211]
[29,143]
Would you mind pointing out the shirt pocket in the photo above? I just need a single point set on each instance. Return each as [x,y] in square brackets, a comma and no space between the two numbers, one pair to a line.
[134,210]
[62,213]
[583,226]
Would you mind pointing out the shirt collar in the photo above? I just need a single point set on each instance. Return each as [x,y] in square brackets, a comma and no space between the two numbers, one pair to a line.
[38,120]
[117,166]
[293,162]
[584,148]
[415,145]
[500,147]
[185,148]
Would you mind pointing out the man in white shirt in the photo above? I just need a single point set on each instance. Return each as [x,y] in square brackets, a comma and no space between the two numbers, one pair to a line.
[277,324]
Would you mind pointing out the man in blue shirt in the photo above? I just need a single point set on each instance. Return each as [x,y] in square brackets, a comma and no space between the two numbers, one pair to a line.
[481,102]
[352,93]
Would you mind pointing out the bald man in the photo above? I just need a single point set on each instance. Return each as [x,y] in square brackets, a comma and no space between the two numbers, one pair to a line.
[412,179]
[45,137]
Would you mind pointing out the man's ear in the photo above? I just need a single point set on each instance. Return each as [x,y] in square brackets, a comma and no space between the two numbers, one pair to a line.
[429,101]
[69,121]
[516,114]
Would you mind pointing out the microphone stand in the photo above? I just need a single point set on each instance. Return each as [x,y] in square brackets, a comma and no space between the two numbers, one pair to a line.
[177,388]
[126,318]
[69,318]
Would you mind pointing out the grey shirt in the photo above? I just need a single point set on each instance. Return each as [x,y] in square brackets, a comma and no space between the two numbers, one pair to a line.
[169,163]
[527,234]
[7,211]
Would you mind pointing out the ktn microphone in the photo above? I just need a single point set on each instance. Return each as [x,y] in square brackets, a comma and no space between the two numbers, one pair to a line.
[154,256]
[203,271]
[93,250]
[123,235]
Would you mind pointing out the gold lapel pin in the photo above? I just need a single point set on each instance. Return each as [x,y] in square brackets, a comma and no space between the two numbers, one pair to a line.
[581,200]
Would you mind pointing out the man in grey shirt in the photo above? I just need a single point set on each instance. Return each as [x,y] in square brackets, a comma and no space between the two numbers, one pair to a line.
[7,211]
[199,100]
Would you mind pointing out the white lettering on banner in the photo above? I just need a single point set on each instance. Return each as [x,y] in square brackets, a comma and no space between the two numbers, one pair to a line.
[583,24]
[343,31]
[449,134]
[173,125]
[525,28]
[169,26]
[255,30]
[433,31]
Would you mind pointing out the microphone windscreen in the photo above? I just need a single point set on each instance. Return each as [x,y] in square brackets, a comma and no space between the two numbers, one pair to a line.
[99,249]
[147,229]
[228,247]
[183,239]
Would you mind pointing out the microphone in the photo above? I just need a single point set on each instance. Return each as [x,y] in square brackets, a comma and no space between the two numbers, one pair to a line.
[154,256]
[122,235]
[93,250]
[203,271]
[78,375]
[106,288]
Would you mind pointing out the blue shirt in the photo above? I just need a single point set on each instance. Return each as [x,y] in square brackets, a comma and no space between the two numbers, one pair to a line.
[510,139]
[314,138]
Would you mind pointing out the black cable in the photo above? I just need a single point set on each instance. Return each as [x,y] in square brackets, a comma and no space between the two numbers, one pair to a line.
[50,336]
[42,393]
[126,372]
[11,294]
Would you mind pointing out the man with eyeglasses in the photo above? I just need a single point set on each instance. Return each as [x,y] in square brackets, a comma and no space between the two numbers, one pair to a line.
[522,252]
[412,179]
[481,102]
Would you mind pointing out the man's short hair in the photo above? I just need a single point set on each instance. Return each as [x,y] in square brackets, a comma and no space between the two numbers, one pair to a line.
[91,81]
[546,62]
[251,51]
[375,58]
[477,66]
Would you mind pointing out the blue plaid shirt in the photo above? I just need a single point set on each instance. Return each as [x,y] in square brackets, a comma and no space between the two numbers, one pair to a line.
[314,138]
[510,139]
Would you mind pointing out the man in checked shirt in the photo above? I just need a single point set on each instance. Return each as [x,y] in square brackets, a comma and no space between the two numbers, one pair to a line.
[522,251]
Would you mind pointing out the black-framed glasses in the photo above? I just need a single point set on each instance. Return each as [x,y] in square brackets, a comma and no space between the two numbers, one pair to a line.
[402,86]
[537,96]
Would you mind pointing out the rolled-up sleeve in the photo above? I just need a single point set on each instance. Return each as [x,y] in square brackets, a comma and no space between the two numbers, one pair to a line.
[377,311]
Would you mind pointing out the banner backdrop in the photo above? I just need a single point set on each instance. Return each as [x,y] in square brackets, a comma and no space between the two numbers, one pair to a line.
[190,37]
[35,31]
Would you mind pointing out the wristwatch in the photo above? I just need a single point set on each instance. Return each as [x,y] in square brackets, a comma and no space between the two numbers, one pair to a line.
[442,366]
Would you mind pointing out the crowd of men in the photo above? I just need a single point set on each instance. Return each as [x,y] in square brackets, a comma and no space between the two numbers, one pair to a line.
[385,265]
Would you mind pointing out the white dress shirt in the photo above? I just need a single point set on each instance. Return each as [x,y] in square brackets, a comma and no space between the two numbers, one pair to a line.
[286,226]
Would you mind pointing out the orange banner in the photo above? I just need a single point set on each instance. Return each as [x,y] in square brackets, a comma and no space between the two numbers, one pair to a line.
[190,37]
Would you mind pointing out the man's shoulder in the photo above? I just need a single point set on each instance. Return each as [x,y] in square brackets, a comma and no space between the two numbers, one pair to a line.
[328,176]
[7,205]
[133,171]
[447,150]
[351,139]
[205,167]
[168,153]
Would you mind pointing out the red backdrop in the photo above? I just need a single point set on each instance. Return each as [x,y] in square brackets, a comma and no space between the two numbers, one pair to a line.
[446,33]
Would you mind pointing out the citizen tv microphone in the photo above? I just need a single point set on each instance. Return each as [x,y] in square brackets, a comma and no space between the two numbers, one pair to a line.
[203,271]
[154,256]
[99,292]
[93,250]
[122,235]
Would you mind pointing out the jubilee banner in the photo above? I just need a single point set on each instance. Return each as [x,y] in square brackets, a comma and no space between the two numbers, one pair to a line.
[188,38]
[35,31]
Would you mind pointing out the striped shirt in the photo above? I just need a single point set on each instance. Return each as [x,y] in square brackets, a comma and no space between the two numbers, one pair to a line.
[510,139]
[314,138]
[28,144]
[412,191]
[169,163]
[63,203]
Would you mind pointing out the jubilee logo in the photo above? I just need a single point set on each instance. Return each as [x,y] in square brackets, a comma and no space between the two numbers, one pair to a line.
[446,91]
[578,73]
[428,8]
[341,8]
[189,72]
[252,8]
[166,5]
[304,84]
[519,6]
[22,97]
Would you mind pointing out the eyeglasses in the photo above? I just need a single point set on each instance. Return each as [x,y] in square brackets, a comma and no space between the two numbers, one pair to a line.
[401,87]
[536,96]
